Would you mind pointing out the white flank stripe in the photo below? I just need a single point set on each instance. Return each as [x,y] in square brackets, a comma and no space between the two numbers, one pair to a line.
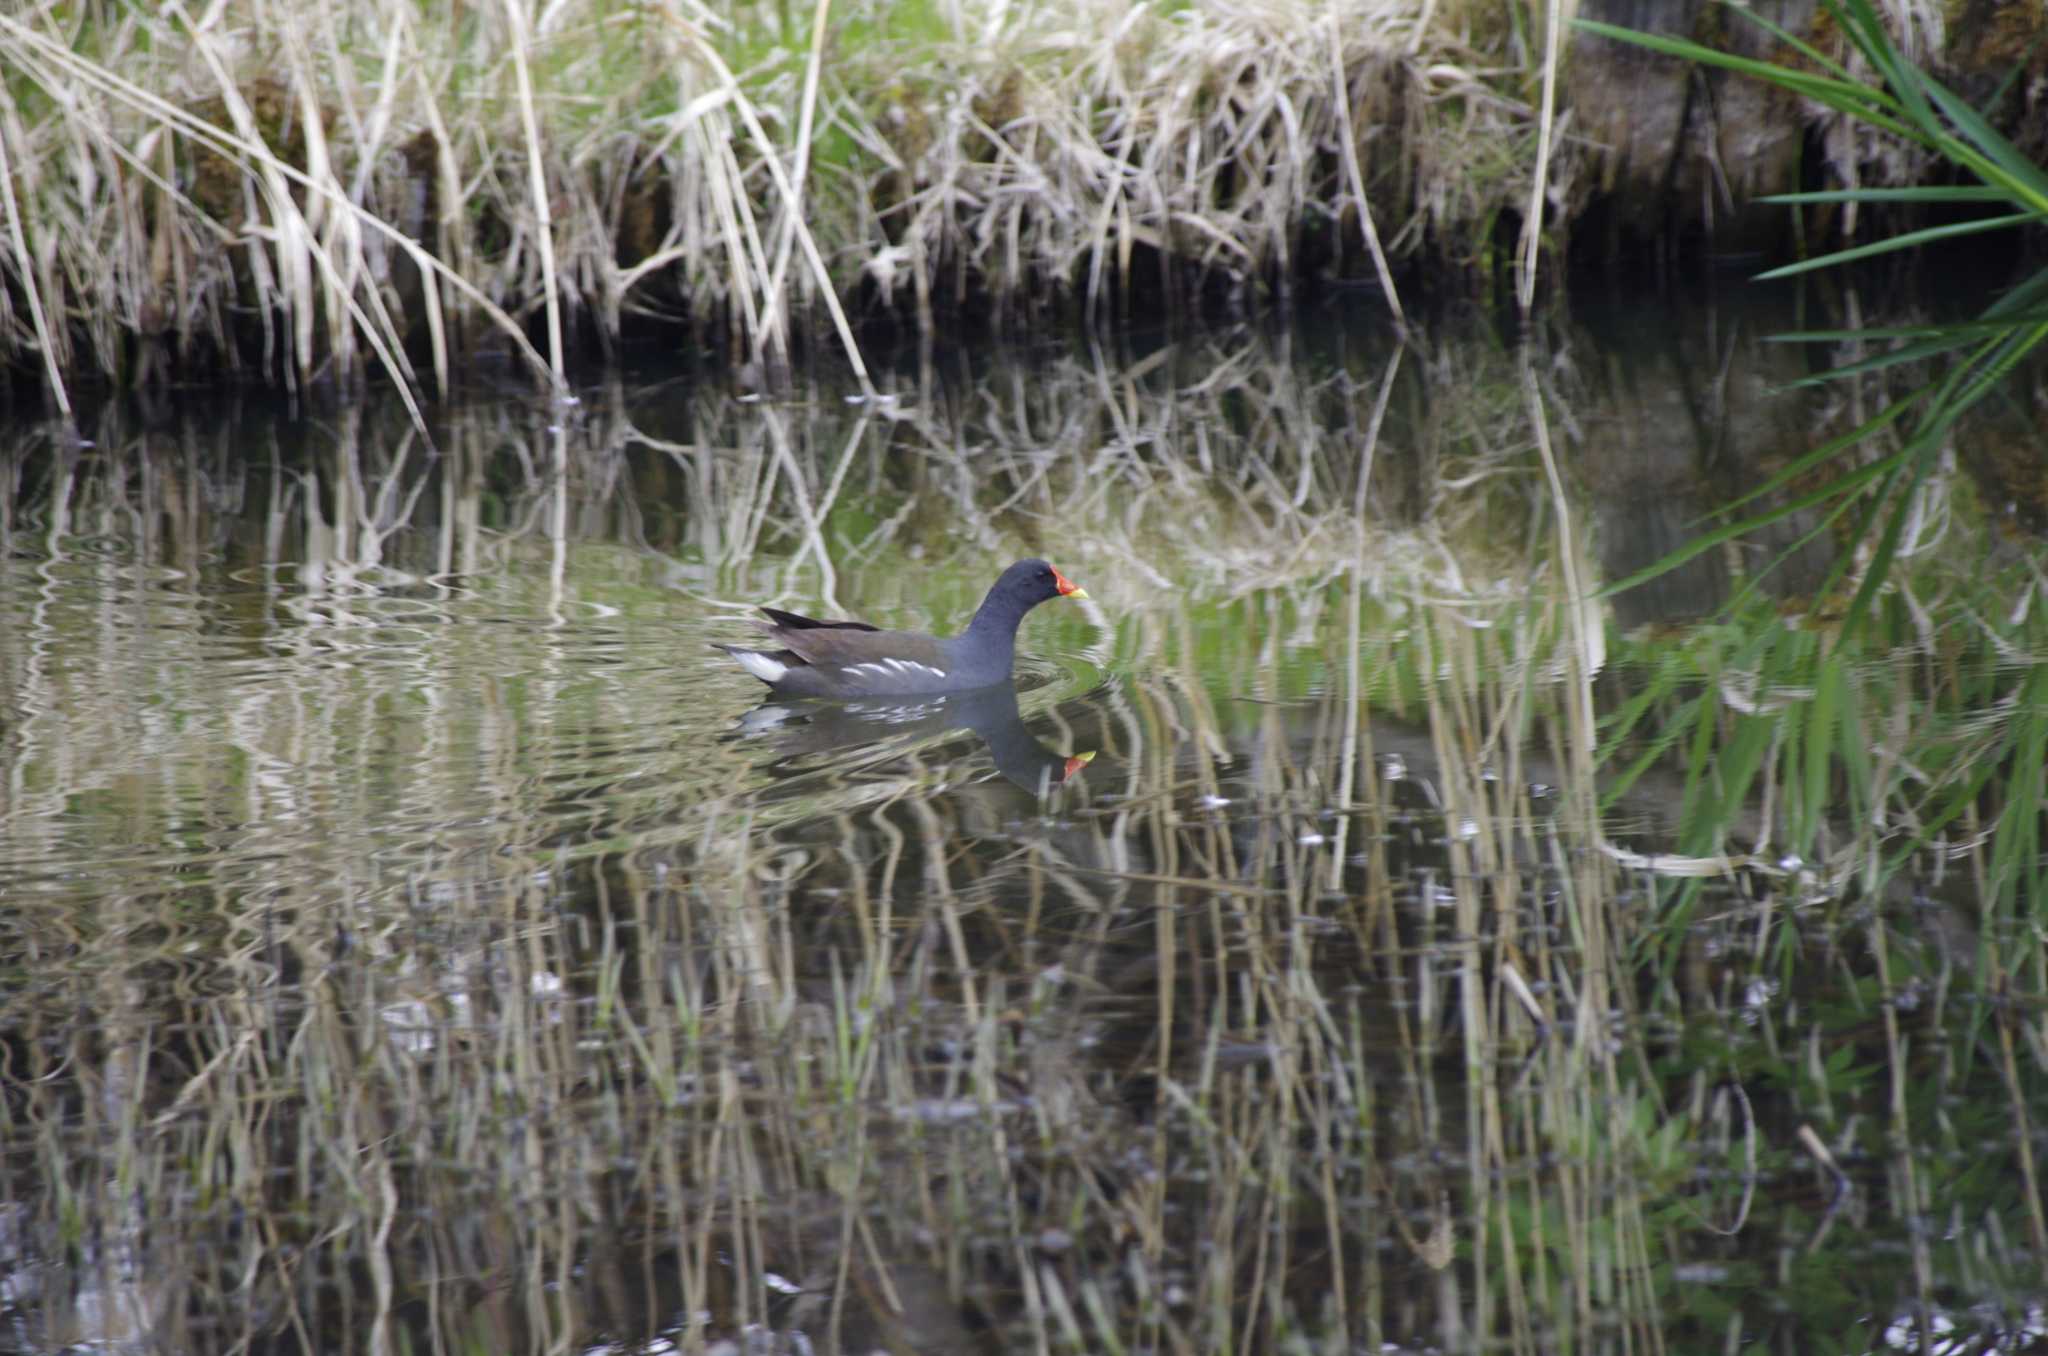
[902,668]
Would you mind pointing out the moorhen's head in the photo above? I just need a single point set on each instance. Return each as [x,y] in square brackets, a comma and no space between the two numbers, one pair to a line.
[1031,582]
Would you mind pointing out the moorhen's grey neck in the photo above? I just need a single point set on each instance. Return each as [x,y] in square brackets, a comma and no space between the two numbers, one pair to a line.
[853,659]
[989,644]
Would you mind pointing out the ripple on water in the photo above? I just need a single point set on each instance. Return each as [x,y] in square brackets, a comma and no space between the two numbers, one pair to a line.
[373,630]
[97,544]
[95,575]
[1068,672]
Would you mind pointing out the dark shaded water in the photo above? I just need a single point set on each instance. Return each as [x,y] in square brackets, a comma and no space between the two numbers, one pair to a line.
[414,936]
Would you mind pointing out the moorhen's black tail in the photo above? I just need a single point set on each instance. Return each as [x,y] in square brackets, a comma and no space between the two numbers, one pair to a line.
[795,621]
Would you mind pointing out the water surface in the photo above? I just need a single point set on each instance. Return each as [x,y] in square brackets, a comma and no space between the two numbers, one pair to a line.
[415,936]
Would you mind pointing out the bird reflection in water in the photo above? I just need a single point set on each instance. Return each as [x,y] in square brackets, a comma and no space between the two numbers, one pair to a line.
[798,728]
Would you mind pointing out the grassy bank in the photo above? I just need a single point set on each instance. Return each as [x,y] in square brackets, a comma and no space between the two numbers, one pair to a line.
[285,187]
[290,191]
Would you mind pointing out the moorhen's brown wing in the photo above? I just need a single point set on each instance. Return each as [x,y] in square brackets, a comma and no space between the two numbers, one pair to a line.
[868,662]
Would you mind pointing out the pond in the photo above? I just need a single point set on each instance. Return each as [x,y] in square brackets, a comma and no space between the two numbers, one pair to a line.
[1353,929]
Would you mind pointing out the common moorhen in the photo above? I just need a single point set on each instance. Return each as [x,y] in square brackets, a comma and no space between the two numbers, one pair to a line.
[853,659]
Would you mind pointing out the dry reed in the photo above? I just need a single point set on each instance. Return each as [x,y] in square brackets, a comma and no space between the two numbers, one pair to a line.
[299,193]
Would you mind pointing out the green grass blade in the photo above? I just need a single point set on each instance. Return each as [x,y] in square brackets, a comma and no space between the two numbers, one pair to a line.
[1654,752]
[1805,462]
[2021,175]
[1695,830]
[1825,525]
[1930,348]
[1879,568]
[1818,742]
[1980,328]
[1930,194]
[1797,44]
[2016,302]
[1910,240]
[1862,26]
[1852,751]
[1740,759]
[1839,488]
[1841,93]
